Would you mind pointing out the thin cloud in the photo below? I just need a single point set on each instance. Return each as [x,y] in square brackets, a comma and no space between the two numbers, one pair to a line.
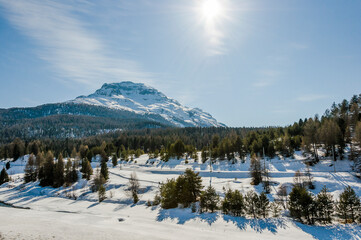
[75,53]
[311,97]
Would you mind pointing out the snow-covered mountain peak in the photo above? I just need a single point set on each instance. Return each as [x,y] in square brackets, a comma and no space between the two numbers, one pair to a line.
[142,99]
[127,88]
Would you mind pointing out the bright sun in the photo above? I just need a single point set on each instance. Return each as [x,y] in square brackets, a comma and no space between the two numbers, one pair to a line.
[211,9]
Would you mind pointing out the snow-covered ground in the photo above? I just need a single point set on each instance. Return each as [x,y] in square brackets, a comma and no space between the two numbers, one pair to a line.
[54,215]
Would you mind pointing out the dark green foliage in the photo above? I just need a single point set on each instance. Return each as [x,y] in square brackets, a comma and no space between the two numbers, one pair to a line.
[169,194]
[18,148]
[7,165]
[61,120]
[138,153]
[255,170]
[114,160]
[233,203]
[98,181]
[4,177]
[47,176]
[221,143]
[209,200]
[101,193]
[30,173]
[34,147]
[189,186]
[177,149]
[301,204]
[104,167]
[358,133]
[348,207]
[184,190]
[324,206]
[71,175]
[204,155]
[59,172]
[86,169]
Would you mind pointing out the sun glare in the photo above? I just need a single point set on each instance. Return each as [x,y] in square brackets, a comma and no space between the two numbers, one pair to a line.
[211,9]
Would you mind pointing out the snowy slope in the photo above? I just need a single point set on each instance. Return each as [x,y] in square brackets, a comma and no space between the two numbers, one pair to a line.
[53,215]
[142,99]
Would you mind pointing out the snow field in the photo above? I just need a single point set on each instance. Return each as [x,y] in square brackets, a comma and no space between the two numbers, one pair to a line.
[54,215]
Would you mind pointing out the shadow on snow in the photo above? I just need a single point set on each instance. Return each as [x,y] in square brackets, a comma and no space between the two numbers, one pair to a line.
[182,216]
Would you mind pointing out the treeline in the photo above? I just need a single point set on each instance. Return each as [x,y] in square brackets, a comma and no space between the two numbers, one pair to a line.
[340,125]
[187,190]
[61,120]
[50,171]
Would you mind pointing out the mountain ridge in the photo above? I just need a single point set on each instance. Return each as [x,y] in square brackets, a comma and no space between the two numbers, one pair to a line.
[115,106]
[142,99]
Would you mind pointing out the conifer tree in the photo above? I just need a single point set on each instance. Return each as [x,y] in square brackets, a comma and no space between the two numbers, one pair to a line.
[86,169]
[83,151]
[330,134]
[59,172]
[169,194]
[104,167]
[263,205]
[266,180]
[18,148]
[310,135]
[209,200]
[30,170]
[358,133]
[233,203]
[39,161]
[324,206]
[189,186]
[71,175]
[74,153]
[4,177]
[134,187]
[348,207]
[255,170]
[48,170]
[301,204]
[252,203]
[97,181]
[114,161]
[101,193]
[74,174]
[204,155]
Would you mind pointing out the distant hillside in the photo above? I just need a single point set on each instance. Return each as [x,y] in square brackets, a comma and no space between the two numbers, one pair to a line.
[116,106]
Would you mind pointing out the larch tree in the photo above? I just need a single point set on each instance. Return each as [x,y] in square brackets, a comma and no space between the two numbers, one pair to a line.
[255,170]
[59,172]
[30,170]
[310,135]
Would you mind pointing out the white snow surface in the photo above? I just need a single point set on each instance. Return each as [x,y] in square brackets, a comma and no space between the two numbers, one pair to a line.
[54,215]
[142,99]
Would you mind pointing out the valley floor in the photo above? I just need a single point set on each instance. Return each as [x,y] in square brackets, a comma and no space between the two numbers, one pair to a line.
[52,215]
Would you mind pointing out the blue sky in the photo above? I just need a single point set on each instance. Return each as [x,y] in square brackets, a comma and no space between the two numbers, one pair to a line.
[252,63]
